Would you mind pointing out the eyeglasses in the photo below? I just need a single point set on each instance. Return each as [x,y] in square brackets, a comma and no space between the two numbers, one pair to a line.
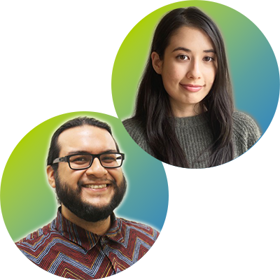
[84,161]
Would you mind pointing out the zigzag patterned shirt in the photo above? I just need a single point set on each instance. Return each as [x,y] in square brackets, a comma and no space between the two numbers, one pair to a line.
[65,249]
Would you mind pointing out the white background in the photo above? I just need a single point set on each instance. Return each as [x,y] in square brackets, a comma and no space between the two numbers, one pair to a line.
[57,57]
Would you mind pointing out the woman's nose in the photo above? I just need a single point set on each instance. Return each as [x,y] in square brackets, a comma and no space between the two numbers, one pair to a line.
[194,71]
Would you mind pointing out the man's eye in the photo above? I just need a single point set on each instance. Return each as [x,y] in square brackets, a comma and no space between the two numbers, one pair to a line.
[109,159]
[79,159]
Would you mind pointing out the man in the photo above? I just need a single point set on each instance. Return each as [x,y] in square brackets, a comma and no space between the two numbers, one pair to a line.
[86,240]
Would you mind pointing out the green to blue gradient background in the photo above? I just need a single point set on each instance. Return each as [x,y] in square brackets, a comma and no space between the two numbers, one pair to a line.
[28,202]
[253,66]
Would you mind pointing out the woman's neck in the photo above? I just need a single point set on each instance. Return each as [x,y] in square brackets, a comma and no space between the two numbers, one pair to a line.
[187,110]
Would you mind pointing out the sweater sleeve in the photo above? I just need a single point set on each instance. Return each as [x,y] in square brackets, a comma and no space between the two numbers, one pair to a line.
[245,130]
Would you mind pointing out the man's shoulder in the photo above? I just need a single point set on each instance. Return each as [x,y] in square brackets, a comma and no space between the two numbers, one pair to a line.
[139,229]
[37,238]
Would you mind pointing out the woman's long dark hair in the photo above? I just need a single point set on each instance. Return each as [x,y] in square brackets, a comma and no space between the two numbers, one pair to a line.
[153,107]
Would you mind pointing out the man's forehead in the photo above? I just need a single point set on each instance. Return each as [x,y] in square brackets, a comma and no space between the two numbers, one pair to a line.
[86,137]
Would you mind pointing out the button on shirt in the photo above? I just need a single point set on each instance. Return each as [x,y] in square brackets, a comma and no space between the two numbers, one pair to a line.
[65,249]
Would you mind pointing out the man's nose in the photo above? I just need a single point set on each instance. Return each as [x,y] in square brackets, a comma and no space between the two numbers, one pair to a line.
[96,169]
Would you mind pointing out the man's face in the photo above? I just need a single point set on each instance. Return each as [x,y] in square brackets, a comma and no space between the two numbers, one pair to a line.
[91,194]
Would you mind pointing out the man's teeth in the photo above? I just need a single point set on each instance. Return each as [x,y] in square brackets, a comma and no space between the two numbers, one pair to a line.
[95,186]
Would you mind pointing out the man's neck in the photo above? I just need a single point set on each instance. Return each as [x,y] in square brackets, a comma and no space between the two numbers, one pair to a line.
[99,228]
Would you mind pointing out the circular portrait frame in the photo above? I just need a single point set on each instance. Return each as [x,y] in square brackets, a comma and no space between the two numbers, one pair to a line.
[252,63]
[28,202]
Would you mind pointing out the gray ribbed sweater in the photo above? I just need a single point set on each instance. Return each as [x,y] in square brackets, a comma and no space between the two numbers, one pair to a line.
[194,136]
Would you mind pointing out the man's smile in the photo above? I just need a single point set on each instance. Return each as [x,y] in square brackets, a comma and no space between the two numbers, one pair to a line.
[96,186]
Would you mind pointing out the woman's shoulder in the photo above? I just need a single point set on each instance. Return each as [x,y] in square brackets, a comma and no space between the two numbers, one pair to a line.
[245,129]
[133,126]
[136,130]
[131,122]
[243,121]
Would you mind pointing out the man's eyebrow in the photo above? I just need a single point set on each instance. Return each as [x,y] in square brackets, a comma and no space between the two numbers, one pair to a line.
[188,50]
[82,152]
[77,152]
[110,151]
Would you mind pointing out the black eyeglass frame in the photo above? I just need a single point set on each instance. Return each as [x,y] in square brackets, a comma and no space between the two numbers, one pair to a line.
[66,159]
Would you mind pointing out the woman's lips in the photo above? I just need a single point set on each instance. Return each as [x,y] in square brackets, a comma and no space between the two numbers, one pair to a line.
[191,87]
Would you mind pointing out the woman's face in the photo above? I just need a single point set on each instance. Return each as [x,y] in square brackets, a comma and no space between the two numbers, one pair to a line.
[188,70]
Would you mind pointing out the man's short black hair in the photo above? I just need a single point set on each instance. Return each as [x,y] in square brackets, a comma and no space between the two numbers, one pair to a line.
[80,121]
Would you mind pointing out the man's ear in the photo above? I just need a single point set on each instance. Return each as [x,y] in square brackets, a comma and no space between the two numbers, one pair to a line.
[50,174]
[156,62]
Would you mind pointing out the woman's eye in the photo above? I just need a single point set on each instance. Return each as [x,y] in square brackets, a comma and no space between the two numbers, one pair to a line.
[182,57]
[209,59]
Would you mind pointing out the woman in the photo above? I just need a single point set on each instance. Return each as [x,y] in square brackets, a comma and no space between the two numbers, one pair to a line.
[184,111]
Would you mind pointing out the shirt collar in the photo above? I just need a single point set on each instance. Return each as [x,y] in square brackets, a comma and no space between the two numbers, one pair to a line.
[85,238]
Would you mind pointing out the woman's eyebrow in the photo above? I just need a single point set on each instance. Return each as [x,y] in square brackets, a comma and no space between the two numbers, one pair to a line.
[210,51]
[181,49]
[188,50]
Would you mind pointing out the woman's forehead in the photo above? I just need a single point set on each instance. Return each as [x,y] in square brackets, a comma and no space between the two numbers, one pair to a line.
[190,38]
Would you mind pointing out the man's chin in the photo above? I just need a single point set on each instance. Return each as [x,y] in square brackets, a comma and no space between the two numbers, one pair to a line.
[93,209]
[91,206]
[90,212]
[96,205]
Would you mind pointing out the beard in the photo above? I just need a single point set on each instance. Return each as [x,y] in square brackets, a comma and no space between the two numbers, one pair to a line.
[71,199]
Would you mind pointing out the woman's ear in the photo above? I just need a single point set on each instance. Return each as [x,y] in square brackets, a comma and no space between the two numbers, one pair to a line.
[50,174]
[157,62]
